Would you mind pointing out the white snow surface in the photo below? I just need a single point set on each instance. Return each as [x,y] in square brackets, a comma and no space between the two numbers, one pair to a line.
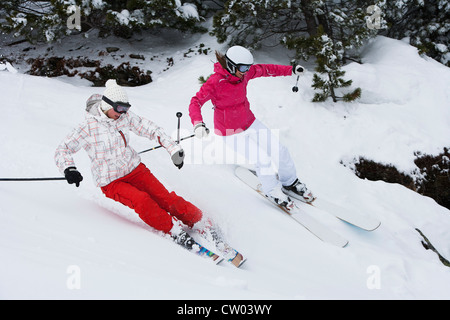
[52,233]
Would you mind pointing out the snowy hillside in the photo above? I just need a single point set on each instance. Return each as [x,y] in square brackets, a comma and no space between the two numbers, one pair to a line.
[51,231]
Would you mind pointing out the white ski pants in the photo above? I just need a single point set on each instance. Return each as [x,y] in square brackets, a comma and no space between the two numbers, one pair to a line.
[260,148]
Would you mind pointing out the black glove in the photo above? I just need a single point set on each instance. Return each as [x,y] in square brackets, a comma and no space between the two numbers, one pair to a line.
[72,175]
[178,158]
[298,70]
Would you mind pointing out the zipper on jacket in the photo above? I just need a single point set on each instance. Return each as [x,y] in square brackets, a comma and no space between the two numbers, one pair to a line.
[123,137]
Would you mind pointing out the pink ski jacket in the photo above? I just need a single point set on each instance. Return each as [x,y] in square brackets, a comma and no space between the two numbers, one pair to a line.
[107,143]
[228,94]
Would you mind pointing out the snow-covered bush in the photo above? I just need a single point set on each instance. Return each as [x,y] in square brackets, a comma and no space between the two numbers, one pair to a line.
[425,23]
[48,20]
[329,31]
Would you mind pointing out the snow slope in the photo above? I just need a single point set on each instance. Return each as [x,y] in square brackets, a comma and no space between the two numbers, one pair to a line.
[51,231]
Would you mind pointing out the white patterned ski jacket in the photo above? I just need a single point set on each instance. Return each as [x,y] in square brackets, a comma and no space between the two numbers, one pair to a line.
[106,142]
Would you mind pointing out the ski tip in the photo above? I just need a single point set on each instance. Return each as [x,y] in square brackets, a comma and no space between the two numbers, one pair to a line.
[238,260]
[375,228]
[372,226]
[242,262]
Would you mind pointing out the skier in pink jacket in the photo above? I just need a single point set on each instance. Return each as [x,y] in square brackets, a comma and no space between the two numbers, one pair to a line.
[240,130]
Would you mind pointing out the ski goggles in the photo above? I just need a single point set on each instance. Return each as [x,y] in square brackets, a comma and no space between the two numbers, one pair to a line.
[243,67]
[119,107]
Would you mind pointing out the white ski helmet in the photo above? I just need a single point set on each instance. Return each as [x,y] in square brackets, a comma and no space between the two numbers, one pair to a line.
[238,58]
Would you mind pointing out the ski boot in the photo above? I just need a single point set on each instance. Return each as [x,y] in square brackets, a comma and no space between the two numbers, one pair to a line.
[280,199]
[299,191]
[183,239]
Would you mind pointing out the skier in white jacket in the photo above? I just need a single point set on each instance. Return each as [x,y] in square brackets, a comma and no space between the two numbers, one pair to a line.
[117,168]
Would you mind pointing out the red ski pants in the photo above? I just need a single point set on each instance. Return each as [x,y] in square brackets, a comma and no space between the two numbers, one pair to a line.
[141,191]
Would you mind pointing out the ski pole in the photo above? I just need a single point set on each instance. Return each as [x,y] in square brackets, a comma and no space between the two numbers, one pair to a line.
[32,179]
[179,114]
[157,147]
[295,88]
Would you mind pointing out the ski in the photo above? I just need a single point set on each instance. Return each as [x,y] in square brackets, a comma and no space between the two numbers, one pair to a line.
[183,239]
[213,235]
[316,228]
[205,253]
[238,260]
[358,220]
[228,253]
